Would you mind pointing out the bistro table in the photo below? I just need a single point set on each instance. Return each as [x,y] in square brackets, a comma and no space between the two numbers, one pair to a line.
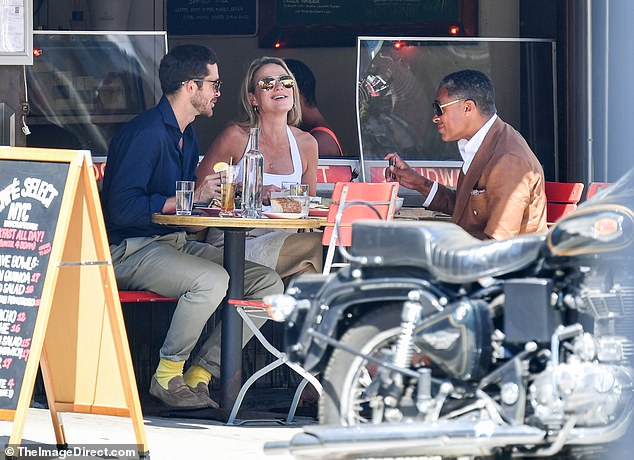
[235,229]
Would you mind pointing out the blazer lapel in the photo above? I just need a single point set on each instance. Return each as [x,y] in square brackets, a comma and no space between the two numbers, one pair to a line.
[479,163]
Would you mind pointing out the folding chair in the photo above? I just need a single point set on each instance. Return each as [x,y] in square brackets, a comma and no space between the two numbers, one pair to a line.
[248,309]
[353,201]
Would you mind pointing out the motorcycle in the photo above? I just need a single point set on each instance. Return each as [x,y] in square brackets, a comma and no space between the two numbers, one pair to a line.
[433,343]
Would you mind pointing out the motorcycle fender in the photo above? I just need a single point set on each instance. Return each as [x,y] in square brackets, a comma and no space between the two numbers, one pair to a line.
[342,305]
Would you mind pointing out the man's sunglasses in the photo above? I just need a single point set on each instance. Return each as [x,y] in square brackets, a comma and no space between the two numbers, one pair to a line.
[216,83]
[438,108]
[268,83]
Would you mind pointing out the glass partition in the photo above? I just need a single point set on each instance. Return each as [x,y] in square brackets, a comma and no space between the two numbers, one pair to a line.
[84,85]
[397,81]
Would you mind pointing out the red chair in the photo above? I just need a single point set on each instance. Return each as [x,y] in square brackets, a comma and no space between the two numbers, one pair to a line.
[561,199]
[353,201]
[594,187]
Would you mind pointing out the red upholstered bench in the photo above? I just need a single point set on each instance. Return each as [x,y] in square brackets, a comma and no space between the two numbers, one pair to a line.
[143,296]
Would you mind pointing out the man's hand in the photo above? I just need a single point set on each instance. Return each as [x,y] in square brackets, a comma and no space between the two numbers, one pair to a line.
[208,188]
[401,172]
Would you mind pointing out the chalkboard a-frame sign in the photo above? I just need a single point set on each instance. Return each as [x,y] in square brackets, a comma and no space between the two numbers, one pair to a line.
[59,305]
[30,197]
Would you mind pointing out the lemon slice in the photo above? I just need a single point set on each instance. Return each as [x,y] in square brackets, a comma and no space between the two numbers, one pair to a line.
[221,166]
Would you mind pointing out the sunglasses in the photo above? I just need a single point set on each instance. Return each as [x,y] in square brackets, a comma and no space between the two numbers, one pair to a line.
[438,108]
[268,83]
[216,83]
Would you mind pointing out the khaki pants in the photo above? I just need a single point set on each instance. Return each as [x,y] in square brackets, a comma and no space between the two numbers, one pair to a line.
[192,272]
[301,253]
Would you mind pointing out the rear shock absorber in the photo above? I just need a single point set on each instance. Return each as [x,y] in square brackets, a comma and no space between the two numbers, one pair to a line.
[404,349]
[410,315]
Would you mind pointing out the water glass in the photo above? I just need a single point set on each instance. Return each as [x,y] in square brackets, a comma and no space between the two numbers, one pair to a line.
[299,192]
[184,197]
[288,188]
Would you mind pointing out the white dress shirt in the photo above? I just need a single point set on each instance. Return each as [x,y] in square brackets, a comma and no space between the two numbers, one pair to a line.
[468,150]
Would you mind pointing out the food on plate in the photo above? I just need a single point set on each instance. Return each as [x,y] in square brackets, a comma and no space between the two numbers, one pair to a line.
[286,205]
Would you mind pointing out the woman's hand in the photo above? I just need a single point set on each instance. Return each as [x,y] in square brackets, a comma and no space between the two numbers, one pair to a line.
[266,193]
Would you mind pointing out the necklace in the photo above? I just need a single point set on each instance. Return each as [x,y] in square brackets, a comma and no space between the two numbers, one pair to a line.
[267,149]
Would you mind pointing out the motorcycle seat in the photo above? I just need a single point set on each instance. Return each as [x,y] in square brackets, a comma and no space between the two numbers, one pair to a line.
[447,251]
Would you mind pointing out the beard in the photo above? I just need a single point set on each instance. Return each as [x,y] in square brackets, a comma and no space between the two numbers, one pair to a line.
[202,105]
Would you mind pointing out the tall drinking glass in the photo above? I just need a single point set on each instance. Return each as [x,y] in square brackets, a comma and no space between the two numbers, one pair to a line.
[184,197]
[228,191]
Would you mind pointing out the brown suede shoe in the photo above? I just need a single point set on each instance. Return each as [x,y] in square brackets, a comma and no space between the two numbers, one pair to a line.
[202,391]
[178,394]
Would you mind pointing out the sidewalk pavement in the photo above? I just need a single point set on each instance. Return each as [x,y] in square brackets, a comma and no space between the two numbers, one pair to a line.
[168,438]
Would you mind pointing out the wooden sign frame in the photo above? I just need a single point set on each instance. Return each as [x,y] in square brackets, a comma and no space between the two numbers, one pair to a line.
[79,336]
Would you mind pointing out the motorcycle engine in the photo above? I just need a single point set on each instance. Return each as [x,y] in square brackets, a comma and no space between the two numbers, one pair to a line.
[608,298]
[594,380]
[594,392]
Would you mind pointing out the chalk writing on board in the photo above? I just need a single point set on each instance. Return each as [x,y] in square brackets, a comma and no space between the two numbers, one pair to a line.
[211,17]
[29,208]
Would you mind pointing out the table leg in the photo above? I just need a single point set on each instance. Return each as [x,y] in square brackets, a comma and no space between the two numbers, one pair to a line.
[231,337]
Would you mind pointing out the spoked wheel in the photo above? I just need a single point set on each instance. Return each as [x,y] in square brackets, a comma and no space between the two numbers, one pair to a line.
[348,398]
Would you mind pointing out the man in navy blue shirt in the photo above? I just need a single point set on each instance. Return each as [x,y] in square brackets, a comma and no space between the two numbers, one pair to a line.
[145,159]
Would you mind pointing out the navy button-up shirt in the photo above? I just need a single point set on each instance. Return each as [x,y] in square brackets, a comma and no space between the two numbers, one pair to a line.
[144,162]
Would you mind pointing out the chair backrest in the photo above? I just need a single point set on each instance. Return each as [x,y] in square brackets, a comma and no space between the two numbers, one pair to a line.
[561,199]
[594,187]
[352,201]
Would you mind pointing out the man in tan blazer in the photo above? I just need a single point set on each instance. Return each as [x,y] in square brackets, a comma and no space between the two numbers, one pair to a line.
[500,190]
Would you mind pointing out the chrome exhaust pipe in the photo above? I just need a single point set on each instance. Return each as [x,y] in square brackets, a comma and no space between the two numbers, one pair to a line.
[603,434]
[401,439]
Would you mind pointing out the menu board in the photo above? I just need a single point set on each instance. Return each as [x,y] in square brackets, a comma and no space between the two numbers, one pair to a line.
[59,304]
[323,23]
[211,17]
[30,198]
[364,11]
[16,32]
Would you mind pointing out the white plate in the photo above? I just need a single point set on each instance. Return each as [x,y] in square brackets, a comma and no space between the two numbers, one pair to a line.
[283,215]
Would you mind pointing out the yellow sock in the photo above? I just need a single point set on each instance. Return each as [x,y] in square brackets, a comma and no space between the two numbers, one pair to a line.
[167,370]
[196,374]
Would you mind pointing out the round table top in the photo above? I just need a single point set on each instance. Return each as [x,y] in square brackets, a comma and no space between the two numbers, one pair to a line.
[203,220]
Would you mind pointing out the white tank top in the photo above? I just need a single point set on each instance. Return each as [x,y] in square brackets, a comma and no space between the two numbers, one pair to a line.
[277,179]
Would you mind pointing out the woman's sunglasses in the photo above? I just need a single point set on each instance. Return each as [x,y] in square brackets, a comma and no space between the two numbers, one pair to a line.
[268,83]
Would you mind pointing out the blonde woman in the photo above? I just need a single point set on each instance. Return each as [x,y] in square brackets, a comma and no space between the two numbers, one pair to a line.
[269,100]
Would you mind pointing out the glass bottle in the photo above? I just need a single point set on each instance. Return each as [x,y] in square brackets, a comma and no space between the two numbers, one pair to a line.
[252,182]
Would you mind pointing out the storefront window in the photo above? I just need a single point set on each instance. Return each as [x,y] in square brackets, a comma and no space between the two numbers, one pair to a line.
[83,86]
[397,81]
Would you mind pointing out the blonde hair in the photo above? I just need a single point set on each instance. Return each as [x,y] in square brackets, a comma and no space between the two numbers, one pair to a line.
[248,116]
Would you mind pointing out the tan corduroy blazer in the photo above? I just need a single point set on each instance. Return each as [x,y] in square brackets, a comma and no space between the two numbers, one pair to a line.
[502,194]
